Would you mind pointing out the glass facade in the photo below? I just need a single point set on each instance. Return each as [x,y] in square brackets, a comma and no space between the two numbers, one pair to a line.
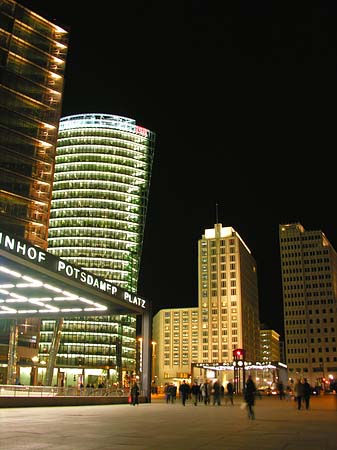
[32,64]
[33,55]
[98,211]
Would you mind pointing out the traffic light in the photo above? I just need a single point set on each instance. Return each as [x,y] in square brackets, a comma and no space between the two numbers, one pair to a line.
[238,353]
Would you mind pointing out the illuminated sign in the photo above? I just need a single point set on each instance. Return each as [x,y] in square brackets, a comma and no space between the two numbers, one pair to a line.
[103,121]
[44,259]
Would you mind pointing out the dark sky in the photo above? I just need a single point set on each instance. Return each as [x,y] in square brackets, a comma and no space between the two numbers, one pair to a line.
[242,98]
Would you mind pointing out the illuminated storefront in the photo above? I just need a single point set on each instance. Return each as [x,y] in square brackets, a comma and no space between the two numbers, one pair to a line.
[34,283]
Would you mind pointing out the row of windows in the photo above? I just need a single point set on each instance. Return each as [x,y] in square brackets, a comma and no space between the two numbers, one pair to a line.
[311,294]
[307,286]
[303,237]
[305,360]
[93,361]
[116,137]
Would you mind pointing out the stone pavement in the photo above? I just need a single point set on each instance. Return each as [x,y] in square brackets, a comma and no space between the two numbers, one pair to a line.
[160,426]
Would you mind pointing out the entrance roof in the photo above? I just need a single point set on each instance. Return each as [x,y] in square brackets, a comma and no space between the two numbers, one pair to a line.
[35,283]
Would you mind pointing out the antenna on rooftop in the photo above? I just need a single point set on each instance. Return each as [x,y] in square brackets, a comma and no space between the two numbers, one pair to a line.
[216,213]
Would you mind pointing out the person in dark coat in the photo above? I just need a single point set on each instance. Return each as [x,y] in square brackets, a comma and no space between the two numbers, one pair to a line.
[306,393]
[230,393]
[299,393]
[249,396]
[184,391]
[195,391]
[135,394]
[173,392]
[216,393]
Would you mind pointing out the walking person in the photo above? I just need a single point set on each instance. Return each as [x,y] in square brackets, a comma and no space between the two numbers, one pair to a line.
[184,391]
[135,394]
[172,392]
[167,393]
[216,393]
[205,392]
[249,396]
[280,388]
[306,393]
[299,393]
[195,391]
[230,393]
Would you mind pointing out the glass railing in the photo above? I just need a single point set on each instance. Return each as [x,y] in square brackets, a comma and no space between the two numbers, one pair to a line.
[7,390]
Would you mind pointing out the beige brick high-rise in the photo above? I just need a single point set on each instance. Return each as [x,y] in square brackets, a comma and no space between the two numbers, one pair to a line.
[228,296]
[309,283]
[227,316]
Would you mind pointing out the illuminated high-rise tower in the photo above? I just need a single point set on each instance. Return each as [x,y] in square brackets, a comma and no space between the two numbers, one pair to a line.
[228,296]
[99,205]
[33,53]
[32,64]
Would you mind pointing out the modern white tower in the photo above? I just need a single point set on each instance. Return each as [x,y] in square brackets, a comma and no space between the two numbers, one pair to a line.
[99,205]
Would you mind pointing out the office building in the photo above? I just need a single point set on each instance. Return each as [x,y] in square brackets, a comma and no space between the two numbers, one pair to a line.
[33,58]
[97,219]
[176,333]
[270,345]
[33,54]
[227,314]
[309,284]
[228,296]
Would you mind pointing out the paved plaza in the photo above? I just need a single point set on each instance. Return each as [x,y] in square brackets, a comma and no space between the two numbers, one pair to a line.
[160,426]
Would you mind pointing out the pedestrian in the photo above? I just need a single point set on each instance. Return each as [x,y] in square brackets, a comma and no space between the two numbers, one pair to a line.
[306,393]
[172,392]
[230,393]
[216,393]
[184,391]
[167,393]
[135,394]
[280,388]
[195,391]
[205,392]
[299,393]
[222,391]
[249,396]
[288,392]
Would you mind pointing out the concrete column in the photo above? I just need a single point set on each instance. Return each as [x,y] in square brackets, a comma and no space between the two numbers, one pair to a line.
[12,352]
[53,352]
[147,354]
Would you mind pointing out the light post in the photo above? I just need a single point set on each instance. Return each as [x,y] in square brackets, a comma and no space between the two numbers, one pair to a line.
[140,368]
[34,371]
[153,362]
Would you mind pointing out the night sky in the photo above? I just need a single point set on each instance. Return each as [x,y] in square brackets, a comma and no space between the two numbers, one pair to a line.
[242,97]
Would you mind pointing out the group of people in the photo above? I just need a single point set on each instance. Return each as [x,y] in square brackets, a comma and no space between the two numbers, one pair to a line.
[302,393]
[170,392]
[205,392]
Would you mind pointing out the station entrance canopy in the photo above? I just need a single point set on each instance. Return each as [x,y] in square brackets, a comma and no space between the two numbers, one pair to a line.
[35,283]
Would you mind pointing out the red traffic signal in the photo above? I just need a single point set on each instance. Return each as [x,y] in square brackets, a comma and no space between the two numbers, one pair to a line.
[239,353]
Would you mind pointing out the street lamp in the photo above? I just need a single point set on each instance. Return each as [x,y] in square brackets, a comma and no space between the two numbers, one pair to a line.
[34,371]
[153,363]
[140,339]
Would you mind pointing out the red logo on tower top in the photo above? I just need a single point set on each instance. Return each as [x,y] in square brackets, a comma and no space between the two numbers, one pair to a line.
[141,130]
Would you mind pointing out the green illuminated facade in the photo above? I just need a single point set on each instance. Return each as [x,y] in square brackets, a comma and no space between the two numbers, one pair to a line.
[99,205]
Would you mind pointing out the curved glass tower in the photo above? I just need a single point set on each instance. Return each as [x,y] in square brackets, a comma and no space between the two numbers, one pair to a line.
[99,204]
